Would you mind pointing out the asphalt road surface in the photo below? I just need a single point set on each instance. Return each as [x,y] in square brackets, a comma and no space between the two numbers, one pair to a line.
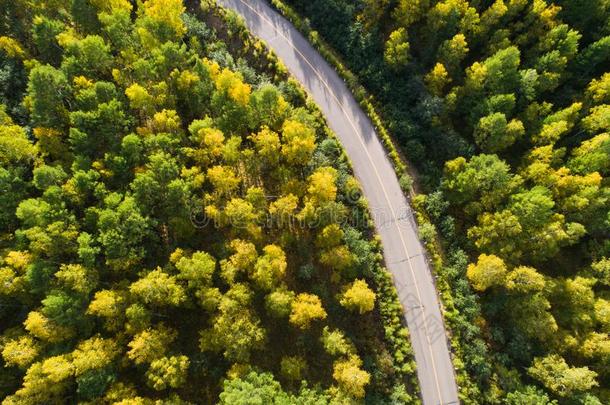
[403,252]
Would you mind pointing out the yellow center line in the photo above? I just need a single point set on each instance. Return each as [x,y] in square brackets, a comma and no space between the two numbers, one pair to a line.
[264,18]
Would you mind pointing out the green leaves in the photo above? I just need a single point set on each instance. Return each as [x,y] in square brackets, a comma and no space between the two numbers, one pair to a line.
[47,90]
[101,182]
[560,378]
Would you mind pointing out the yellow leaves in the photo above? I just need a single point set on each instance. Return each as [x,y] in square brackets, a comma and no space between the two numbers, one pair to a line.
[455,166]
[397,46]
[561,379]
[10,283]
[525,279]
[167,121]
[493,14]
[546,13]
[267,144]
[602,313]
[337,258]
[112,5]
[409,11]
[213,140]
[213,68]
[599,89]
[93,353]
[299,142]
[488,272]
[452,51]
[283,209]
[238,370]
[167,12]
[15,145]
[150,344]
[598,119]
[21,352]
[245,254]
[243,259]
[139,97]
[476,75]
[68,38]
[437,79]
[224,179]
[176,255]
[239,213]
[106,303]
[57,368]
[44,329]
[12,48]
[270,267]
[551,133]
[358,297]
[322,188]
[77,277]
[81,83]
[597,345]
[232,84]
[331,236]
[168,372]
[159,289]
[18,260]
[147,39]
[187,79]
[193,175]
[350,377]
[335,343]
[306,308]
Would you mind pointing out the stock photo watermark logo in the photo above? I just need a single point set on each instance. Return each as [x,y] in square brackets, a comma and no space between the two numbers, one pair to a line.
[340,212]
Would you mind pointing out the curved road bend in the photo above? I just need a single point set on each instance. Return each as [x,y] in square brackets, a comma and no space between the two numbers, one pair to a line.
[394,221]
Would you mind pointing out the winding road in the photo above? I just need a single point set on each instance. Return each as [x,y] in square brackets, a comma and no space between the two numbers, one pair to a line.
[403,252]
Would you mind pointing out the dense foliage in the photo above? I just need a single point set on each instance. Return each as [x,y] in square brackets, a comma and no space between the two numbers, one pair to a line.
[504,108]
[177,223]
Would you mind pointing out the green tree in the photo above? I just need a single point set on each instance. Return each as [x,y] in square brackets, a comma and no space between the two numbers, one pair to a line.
[122,229]
[452,52]
[253,388]
[235,331]
[47,89]
[159,289]
[335,343]
[494,133]
[89,56]
[293,367]
[279,303]
[269,108]
[529,395]
[44,36]
[480,184]
[561,379]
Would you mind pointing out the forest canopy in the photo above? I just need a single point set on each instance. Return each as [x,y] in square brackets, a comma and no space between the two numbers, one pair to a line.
[177,223]
[503,108]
